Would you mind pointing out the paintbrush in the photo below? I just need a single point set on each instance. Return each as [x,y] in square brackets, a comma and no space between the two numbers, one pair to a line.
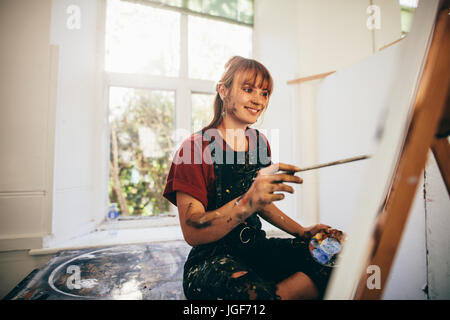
[333,163]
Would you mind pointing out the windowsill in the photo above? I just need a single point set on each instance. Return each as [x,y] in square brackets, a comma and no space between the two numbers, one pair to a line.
[141,223]
[129,232]
[112,237]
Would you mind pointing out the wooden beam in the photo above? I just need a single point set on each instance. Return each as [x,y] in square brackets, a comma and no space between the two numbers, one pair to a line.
[309,78]
[392,43]
[428,109]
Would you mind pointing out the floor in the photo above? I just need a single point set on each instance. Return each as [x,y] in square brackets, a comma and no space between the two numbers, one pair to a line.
[150,271]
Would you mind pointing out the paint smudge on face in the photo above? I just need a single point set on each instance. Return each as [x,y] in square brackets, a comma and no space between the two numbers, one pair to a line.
[232,109]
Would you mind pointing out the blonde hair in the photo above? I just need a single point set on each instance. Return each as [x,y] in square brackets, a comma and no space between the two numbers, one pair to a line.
[233,67]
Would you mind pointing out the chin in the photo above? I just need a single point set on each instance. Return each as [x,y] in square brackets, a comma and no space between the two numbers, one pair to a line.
[250,122]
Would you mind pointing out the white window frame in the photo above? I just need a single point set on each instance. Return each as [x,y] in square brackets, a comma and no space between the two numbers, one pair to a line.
[183,86]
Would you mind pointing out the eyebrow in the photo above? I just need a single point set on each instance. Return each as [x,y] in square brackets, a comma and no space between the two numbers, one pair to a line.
[248,83]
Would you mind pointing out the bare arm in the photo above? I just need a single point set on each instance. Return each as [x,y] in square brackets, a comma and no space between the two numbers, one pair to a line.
[200,226]
[276,217]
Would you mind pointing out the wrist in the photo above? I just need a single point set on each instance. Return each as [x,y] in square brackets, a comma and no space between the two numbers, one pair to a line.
[244,205]
[301,232]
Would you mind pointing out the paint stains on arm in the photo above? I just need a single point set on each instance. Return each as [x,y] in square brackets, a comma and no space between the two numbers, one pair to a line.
[201,220]
[194,219]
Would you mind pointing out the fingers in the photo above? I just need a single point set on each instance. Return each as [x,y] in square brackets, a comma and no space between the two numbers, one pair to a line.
[268,182]
[287,167]
[281,187]
[276,197]
[279,167]
[283,177]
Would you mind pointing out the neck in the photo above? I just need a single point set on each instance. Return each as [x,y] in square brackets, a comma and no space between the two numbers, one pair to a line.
[228,123]
[234,134]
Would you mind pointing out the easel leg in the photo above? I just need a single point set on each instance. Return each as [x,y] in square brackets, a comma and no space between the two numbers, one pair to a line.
[441,152]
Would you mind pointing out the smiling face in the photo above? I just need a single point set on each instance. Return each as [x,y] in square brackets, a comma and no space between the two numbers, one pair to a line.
[247,98]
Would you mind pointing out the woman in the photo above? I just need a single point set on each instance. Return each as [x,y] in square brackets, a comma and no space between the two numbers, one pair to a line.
[222,181]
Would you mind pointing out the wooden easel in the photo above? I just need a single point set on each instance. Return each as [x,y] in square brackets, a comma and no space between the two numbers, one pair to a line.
[428,129]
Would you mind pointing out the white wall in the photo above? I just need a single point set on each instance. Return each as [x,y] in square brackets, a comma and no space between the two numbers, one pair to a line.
[437,208]
[78,163]
[28,91]
[26,129]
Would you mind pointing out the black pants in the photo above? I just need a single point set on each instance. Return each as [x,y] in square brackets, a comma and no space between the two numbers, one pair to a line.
[240,273]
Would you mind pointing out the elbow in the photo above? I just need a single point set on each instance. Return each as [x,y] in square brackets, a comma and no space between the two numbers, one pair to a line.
[195,239]
[193,242]
[190,239]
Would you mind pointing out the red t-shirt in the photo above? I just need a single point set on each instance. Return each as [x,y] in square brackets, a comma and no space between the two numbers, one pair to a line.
[192,169]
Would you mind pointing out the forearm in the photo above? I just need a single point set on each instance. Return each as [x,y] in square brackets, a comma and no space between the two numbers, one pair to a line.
[276,217]
[213,225]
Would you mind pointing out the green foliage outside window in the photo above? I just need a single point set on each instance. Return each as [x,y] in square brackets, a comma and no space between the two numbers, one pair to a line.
[141,152]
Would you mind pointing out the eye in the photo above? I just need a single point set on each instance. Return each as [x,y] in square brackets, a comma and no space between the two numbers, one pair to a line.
[265,94]
[248,90]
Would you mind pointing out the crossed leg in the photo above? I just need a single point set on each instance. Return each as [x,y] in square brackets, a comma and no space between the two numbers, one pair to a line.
[297,287]
[227,278]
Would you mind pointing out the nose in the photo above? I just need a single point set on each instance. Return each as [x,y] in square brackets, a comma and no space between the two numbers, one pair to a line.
[258,99]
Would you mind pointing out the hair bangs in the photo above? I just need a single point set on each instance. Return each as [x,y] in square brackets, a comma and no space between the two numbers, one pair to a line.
[258,76]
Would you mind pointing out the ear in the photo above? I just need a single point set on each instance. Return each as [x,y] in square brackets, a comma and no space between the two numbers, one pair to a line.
[222,90]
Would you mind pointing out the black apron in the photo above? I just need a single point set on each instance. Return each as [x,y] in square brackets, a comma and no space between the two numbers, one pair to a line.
[234,172]
[209,268]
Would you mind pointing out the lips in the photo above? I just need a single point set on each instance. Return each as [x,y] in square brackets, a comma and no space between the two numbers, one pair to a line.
[252,110]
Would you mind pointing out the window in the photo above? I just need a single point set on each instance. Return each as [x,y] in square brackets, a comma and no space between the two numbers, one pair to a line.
[202,112]
[142,39]
[222,40]
[141,129]
[163,59]
[407,8]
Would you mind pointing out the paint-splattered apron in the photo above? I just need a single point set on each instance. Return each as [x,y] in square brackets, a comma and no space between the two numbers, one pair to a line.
[245,264]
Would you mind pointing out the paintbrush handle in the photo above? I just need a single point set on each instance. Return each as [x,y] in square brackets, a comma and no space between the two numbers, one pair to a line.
[335,163]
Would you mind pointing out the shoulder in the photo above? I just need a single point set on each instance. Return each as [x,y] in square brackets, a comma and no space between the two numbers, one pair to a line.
[192,150]
[195,141]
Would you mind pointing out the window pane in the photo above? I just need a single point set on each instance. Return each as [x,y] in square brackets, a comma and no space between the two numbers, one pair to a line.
[202,110]
[238,10]
[212,43]
[406,18]
[142,126]
[142,39]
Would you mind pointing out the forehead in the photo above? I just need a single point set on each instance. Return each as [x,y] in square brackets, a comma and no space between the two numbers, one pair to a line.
[252,78]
